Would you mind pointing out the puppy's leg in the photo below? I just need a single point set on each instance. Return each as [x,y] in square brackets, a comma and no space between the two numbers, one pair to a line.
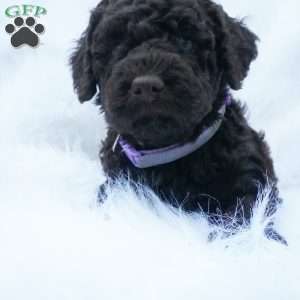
[243,211]
[102,192]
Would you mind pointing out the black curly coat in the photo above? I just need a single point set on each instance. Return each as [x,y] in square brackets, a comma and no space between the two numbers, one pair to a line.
[195,51]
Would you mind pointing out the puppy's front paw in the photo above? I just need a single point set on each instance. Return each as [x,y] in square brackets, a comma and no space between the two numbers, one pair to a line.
[102,193]
[272,234]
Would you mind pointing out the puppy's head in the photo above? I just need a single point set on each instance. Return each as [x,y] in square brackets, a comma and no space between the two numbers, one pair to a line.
[160,65]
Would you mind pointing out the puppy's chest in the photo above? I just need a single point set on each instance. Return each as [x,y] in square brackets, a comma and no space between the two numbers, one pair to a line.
[191,175]
[189,187]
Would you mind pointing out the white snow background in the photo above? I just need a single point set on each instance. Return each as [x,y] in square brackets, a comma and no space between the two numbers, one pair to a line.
[56,243]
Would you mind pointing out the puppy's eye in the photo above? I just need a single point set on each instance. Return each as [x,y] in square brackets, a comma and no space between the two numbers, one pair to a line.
[97,56]
[185,46]
[100,54]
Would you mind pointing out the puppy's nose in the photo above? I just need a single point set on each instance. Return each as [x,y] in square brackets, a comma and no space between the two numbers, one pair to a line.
[147,86]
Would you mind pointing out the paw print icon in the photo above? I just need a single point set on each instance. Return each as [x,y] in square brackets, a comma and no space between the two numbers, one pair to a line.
[24,32]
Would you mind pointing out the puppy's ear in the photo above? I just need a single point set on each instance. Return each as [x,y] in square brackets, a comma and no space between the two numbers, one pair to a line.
[236,46]
[84,81]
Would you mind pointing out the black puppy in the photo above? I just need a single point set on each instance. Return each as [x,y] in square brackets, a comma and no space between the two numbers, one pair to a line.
[163,69]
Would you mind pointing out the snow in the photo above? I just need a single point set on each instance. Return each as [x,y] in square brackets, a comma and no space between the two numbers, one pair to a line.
[56,242]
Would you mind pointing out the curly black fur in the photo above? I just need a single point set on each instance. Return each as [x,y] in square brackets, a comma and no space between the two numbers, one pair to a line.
[197,51]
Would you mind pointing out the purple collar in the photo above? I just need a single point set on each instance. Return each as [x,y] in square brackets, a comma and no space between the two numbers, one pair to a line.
[150,158]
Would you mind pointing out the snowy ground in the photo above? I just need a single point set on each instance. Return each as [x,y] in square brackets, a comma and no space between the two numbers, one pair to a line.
[55,243]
